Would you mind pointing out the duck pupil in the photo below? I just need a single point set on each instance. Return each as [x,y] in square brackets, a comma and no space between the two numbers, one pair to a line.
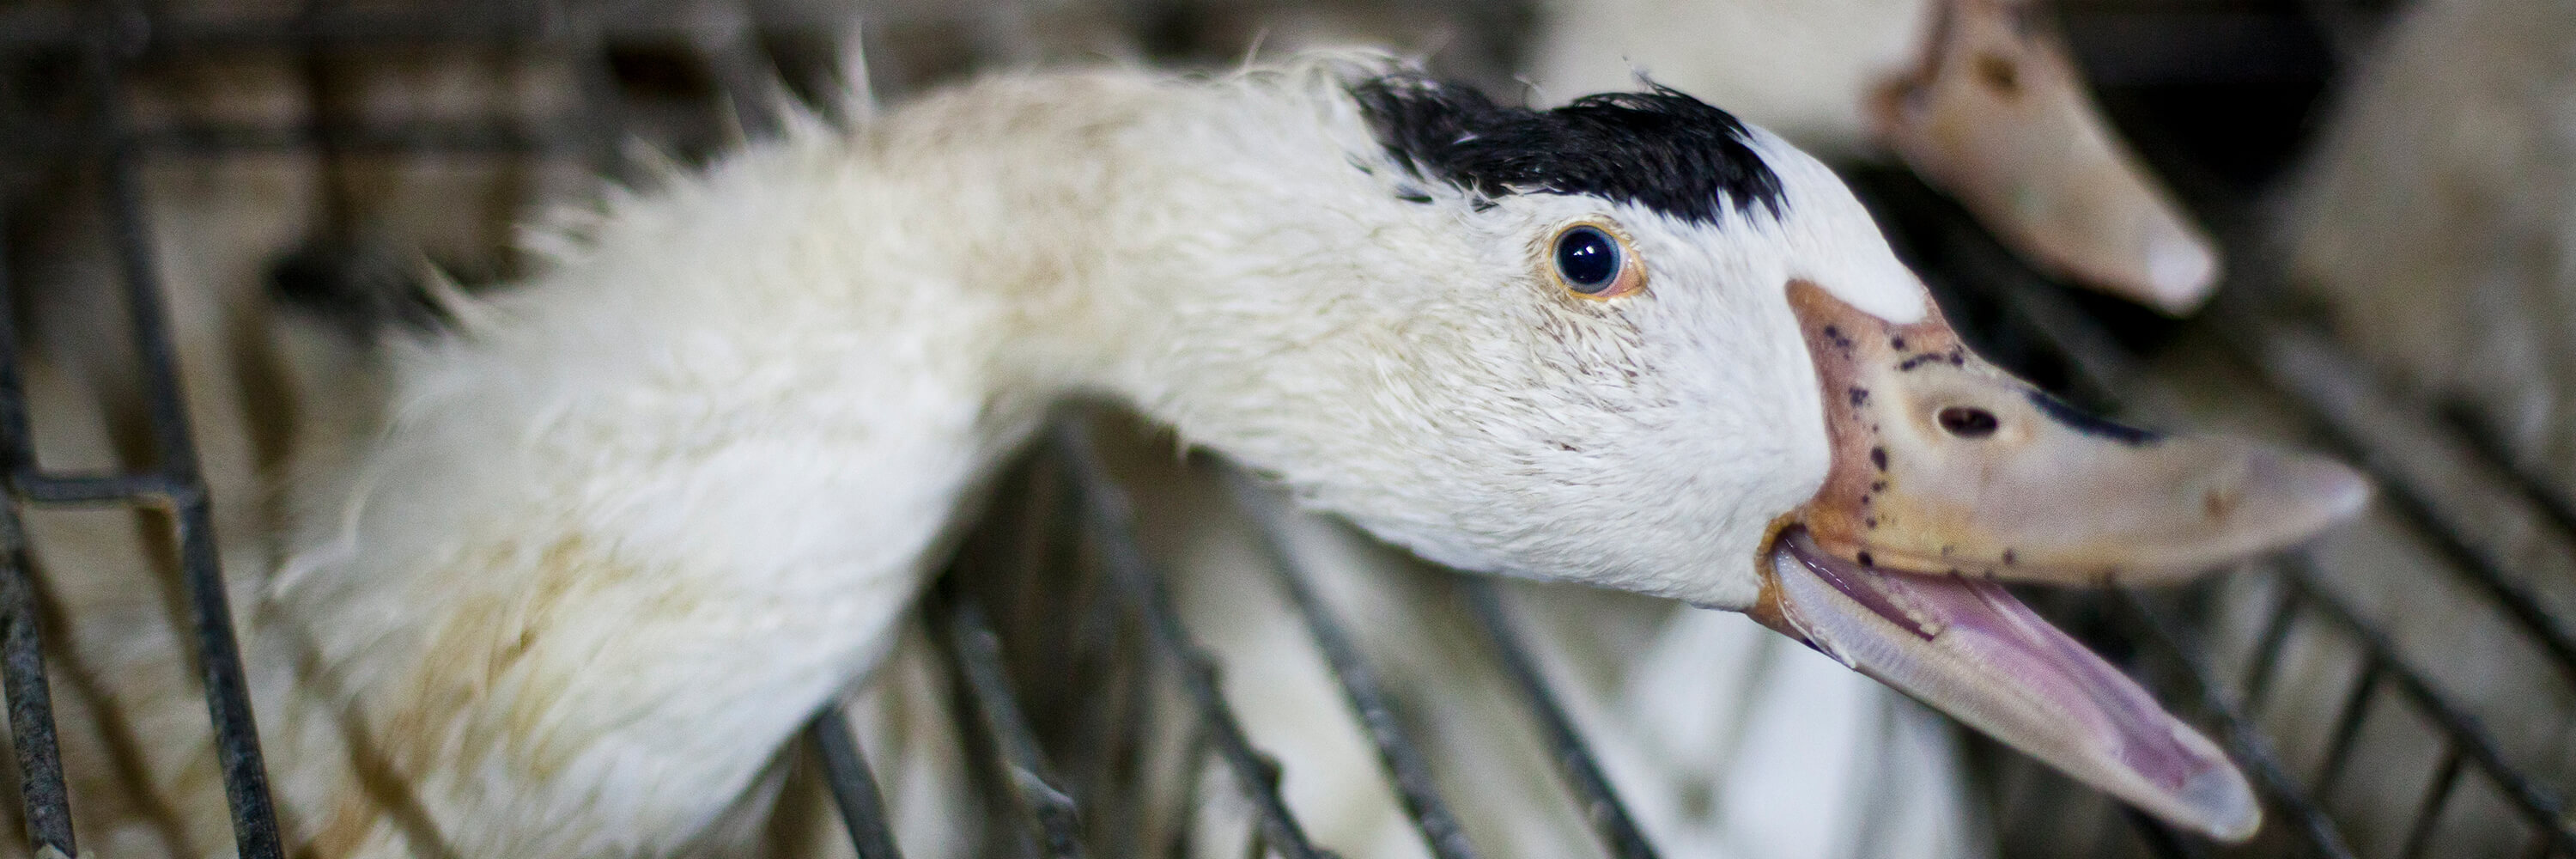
[1587,259]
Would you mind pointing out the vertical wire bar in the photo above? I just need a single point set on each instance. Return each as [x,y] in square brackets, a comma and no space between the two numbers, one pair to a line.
[854,788]
[2428,817]
[1361,689]
[1600,803]
[976,652]
[2267,649]
[22,649]
[228,705]
[2539,804]
[2347,729]
[1111,523]
[31,707]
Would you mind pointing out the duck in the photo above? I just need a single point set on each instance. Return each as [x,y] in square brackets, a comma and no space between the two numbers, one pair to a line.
[2454,274]
[622,526]
[1980,98]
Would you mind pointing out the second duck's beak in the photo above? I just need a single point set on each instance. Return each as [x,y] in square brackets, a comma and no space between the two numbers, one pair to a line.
[1949,475]
[1997,116]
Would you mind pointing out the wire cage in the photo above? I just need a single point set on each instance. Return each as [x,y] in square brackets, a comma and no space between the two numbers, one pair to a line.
[1057,633]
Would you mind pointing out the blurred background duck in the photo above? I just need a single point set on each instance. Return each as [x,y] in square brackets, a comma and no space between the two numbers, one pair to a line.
[2436,218]
[1979,97]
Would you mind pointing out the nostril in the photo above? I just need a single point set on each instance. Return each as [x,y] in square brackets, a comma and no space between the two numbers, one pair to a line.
[1967,421]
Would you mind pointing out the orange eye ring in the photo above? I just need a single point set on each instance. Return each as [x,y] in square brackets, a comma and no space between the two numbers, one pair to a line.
[1594,260]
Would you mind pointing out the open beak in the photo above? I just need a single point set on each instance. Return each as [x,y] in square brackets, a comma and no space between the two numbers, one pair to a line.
[1998,117]
[1949,475]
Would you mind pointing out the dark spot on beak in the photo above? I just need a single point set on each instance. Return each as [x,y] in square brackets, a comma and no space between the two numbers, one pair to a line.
[1999,74]
[1870,522]
[1867,561]
[1859,396]
[1840,342]
[1896,343]
[1878,457]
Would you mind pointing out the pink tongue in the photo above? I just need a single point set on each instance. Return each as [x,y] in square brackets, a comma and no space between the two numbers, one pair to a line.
[1972,650]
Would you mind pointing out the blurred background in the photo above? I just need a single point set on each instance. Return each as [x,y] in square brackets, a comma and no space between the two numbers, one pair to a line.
[2382,196]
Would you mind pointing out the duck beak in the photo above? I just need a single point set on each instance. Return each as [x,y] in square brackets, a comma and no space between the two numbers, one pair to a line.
[1998,117]
[1949,475]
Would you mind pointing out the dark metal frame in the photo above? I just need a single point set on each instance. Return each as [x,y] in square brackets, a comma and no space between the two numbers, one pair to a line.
[2341,404]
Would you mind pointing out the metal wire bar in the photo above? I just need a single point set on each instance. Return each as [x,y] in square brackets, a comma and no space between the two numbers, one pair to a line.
[228,704]
[2429,817]
[2489,444]
[507,24]
[1600,802]
[26,136]
[975,654]
[2540,805]
[1110,523]
[22,651]
[2275,636]
[854,789]
[1367,697]
[2245,742]
[2348,722]
[2336,397]
[31,708]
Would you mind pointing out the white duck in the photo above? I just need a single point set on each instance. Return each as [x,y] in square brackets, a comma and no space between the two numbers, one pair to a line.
[637,518]
[1980,97]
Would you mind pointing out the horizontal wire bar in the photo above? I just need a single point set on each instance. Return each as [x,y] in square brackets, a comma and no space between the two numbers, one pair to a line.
[1111,523]
[854,788]
[2247,743]
[64,29]
[40,488]
[1599,802]
[27,136]
[2537,802]
[1397,749]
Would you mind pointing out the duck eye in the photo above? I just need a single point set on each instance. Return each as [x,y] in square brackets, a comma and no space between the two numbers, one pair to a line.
[1593,263]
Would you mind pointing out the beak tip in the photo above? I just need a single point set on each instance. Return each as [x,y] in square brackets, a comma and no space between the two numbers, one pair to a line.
[2224,804]
[2182,272]
[2316,492]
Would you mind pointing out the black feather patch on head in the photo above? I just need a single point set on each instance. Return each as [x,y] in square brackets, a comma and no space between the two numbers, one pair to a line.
[1659,149]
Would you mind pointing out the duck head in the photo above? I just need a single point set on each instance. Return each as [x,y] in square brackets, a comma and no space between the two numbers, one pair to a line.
[1634,343]
[1996,114]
